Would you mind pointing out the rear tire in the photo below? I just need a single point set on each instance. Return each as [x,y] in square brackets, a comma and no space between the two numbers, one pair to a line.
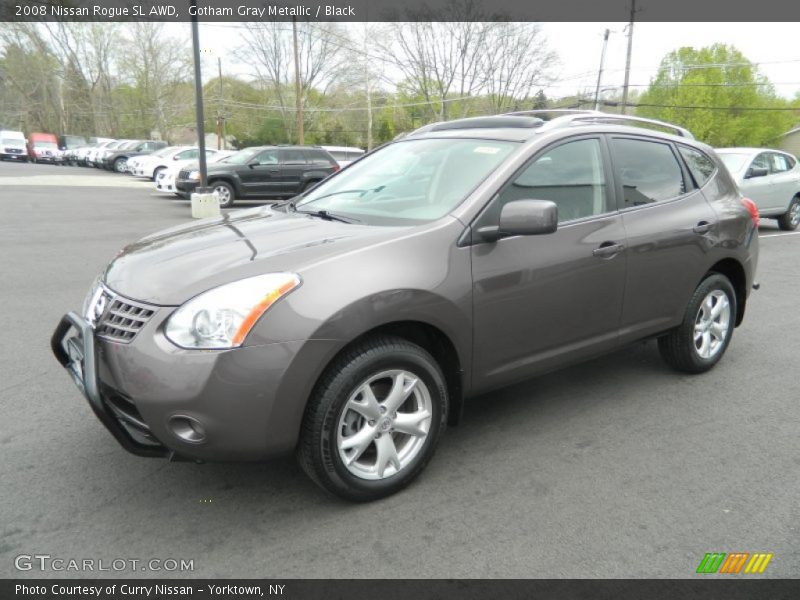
[119,164]
[374,419]
[309,185]
[789,220]
[699,342]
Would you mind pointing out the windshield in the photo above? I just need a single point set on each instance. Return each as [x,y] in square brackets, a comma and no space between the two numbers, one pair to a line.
[12,141]
[48,145]
[408,182]
[734,162]
[243,156]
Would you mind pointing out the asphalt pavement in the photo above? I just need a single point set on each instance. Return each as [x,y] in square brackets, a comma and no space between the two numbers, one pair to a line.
[618,467]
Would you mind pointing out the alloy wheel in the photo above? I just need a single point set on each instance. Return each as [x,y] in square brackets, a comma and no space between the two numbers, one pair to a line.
[794,214]
[223,193]
[712,323]
[384,424]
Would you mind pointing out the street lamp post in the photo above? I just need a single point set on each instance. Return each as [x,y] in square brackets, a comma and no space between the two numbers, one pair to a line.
[198,101]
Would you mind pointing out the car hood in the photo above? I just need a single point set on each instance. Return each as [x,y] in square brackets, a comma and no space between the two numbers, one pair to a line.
[171,266]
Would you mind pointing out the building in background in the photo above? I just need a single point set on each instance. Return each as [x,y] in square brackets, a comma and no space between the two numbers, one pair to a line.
[790,141]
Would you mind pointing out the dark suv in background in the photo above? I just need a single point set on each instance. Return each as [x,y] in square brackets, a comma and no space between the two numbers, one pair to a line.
[275,172]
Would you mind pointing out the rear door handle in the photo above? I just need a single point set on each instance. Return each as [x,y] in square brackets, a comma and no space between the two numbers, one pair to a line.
[608,249]
[702,227]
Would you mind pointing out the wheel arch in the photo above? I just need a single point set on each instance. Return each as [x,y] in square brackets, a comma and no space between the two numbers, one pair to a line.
[734,271]
[432,339]
[227,179]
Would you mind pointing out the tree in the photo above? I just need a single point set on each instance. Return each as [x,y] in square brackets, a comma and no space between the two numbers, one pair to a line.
[267,47]
[158,71]
[718,95]
[517,60]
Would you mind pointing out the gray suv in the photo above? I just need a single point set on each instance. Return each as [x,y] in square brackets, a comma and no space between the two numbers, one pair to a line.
[348,325]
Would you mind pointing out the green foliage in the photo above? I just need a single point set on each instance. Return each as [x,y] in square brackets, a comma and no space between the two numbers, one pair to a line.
[718,95]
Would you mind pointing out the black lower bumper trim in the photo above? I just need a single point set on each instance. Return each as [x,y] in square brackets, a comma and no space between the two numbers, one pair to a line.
[78,356]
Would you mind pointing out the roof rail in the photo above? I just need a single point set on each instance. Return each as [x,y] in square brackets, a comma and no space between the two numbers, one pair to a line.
[558,112]
[570,116]
[489,122]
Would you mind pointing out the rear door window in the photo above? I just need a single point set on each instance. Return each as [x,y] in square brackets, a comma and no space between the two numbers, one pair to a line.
[648,170]
[292,157]
[779,163]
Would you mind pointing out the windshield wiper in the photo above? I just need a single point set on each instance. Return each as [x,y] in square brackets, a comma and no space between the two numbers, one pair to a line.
[360,192]
[327,215]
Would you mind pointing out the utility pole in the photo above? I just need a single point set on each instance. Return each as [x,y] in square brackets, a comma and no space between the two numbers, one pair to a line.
[224,114]
[369,93]
[298,104]
[628,59]
[198,102]
[600,71]
[220,109]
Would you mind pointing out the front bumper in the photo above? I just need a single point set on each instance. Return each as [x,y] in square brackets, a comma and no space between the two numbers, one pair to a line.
[165,185]
[249,401]
[77,354]
[186,186]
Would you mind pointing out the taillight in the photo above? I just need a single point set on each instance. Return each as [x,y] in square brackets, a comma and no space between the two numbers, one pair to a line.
[336,168]
[752,209]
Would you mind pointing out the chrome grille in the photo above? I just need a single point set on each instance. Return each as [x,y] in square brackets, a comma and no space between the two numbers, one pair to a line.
[123,319]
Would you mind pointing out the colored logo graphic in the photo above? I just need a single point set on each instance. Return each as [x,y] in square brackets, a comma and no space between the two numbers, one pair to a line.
[720,562]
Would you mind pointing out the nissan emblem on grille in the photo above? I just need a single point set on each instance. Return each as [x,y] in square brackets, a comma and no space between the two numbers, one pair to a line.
[116,318]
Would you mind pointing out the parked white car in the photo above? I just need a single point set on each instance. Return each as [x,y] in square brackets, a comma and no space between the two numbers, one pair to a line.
[344,155]
[95,152]
[165,180]
[770,178]
[152,164]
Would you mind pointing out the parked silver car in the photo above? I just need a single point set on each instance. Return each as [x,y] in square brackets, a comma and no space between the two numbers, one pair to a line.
[349,323]
[770,178]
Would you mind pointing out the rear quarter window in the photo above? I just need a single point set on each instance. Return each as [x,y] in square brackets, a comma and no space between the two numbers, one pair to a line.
[700,165]
[317,157]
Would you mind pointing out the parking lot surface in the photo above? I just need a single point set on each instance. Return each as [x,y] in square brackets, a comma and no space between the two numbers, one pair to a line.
[618,467]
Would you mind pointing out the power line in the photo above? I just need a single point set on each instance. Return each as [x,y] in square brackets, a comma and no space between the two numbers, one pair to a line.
[700,107]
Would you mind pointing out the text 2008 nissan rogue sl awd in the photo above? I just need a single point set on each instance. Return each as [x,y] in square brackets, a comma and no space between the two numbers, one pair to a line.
[349,325]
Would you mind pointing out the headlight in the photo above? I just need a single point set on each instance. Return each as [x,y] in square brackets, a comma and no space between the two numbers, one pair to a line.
[194,175]
[222,317]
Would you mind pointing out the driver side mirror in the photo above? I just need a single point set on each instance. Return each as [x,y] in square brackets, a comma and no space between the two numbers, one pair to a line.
[756,172]
[523,217]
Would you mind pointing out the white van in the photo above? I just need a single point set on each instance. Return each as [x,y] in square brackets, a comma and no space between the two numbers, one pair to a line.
[12,145]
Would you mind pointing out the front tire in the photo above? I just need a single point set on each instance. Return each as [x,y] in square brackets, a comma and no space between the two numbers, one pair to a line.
[224,192]
[699,342]
[789,220]
[119,164]
[374,419]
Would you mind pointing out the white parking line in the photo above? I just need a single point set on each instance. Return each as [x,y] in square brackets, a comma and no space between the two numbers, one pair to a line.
[772,235]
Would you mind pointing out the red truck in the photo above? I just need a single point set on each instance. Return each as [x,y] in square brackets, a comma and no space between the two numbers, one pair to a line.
[43,147]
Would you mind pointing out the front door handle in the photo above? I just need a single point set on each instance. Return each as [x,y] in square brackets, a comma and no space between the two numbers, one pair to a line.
[702,227]
[608,249]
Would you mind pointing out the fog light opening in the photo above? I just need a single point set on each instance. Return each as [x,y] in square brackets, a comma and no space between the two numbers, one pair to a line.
[188,429]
